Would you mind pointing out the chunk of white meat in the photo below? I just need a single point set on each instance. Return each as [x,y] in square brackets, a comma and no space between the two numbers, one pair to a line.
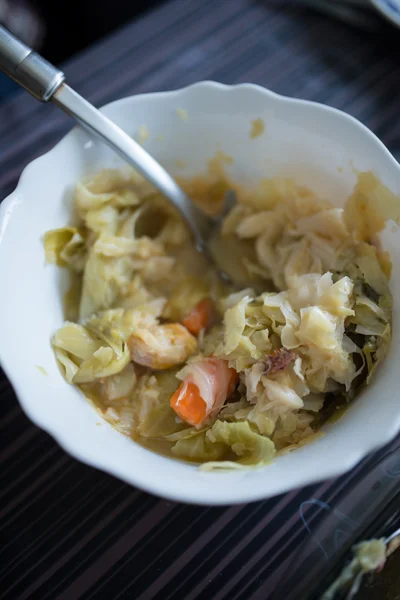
[161,346]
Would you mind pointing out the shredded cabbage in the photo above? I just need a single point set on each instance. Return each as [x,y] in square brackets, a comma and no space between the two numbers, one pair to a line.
[251,447]
[66,247]
[306,324]
[199,448]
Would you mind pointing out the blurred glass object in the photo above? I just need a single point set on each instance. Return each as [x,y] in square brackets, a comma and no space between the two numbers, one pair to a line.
[22,19]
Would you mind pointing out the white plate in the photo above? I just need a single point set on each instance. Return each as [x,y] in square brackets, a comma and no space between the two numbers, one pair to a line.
[317,145]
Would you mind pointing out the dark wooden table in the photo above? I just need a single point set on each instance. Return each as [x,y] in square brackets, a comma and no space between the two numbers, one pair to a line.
[70,532]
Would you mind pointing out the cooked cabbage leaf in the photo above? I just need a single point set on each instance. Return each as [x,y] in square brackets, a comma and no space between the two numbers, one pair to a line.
[66,247]
[198,448]
[322,329]
[160,420]
[369,318]
[102,280]
[367,261]
[120,385]
[92,356]
[108,187]
[251,447]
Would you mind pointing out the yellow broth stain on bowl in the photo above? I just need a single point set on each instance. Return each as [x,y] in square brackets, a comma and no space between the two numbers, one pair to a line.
[182,114]
[143,134]
[42,370]
[257,128]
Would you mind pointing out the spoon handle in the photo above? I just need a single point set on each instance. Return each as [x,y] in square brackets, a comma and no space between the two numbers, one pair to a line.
[45,82]
[27,68]
[97,123]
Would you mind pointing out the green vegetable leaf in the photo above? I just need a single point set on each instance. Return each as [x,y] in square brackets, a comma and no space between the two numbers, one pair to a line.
[65,247]
[368,263]
[161,420]
[93,357]
[199,448]
[252,448]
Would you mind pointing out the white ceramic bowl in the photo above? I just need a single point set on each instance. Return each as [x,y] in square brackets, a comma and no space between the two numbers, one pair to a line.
[317,145]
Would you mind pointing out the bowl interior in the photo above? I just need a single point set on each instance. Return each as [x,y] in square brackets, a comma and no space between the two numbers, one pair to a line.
[318,146]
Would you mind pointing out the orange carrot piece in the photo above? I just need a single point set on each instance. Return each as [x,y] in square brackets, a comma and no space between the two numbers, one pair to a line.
[191,408]
[187,401]
[199,317]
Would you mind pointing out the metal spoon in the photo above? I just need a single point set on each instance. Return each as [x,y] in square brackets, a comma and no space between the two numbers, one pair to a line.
[45,82]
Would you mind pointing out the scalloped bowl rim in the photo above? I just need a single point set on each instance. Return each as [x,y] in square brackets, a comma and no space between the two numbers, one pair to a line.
[50,424]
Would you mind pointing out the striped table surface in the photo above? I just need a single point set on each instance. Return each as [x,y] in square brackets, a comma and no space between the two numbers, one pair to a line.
[69,532]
